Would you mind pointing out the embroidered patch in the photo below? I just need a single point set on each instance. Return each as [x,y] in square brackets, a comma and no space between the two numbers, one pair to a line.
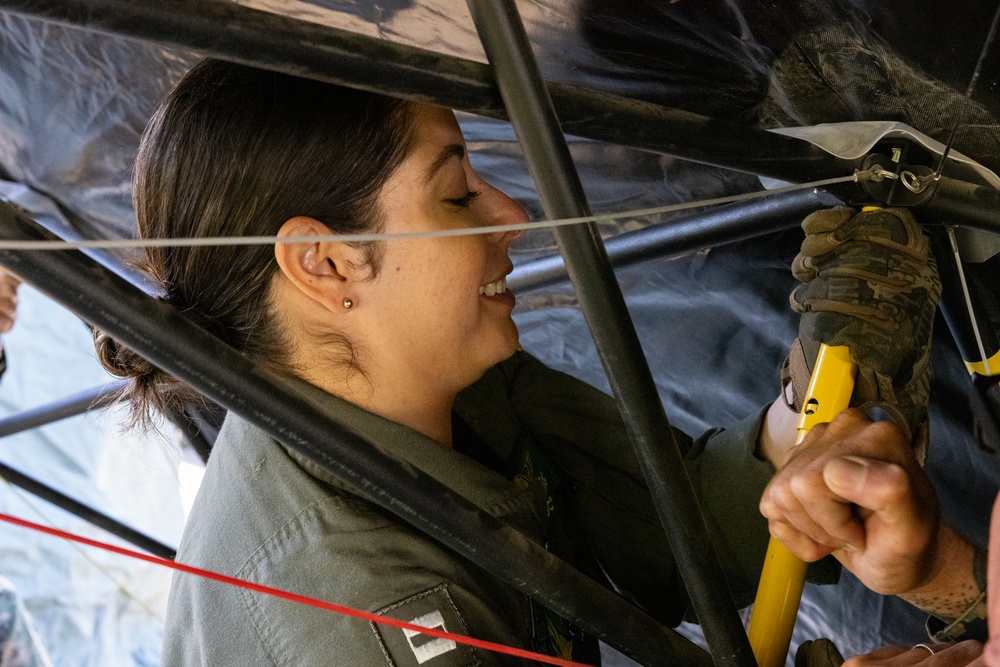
[432,608]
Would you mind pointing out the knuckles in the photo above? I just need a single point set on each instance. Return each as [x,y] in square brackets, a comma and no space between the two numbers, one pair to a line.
[782,497]
[807,487]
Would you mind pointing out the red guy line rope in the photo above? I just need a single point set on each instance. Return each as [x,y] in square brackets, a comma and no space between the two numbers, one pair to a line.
[295,597]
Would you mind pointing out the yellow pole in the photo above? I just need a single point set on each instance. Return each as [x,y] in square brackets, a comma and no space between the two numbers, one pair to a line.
[784,575]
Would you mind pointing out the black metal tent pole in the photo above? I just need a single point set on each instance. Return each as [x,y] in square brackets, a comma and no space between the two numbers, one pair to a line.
[603,306]
[965,204]
[181,348]
[62,409]
[85,512]
[71,406]
[233,32]
[725,224]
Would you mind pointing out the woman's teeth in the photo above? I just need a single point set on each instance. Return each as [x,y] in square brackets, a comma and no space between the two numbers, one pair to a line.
[492,289]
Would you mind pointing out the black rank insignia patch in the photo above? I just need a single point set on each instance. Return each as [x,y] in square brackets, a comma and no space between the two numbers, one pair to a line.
[432,608]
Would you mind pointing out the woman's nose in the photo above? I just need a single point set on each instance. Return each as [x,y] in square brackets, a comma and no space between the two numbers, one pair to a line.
[504,211]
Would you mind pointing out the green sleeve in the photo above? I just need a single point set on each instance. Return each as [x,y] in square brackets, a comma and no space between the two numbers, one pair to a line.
[611,515]
[729,481]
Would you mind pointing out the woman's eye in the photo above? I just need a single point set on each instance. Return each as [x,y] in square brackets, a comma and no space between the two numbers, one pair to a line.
[465,200]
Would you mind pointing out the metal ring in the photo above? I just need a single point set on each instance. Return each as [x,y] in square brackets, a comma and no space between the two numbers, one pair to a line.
[912,183]
[926,647]
[878,173]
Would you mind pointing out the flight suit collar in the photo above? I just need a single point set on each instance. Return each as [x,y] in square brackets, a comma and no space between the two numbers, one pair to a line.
[488,490]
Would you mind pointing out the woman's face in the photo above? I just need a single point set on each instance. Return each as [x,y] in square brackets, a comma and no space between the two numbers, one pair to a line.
[438,306]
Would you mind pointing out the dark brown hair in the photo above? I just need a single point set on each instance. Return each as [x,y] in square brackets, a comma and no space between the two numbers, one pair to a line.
[237,151]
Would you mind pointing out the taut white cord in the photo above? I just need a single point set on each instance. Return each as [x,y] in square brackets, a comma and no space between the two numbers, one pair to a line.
[968,298]
[363,238]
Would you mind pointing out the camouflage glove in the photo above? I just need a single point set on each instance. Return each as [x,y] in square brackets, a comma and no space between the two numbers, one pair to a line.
[869,282]
[818,653]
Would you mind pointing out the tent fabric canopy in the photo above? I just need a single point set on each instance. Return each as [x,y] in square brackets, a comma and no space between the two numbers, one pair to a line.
[714,324]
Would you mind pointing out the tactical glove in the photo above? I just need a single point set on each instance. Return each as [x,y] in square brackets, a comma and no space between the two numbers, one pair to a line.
[869,282]
[818,653]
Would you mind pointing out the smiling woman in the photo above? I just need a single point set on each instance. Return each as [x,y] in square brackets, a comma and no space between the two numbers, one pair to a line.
[410,341]
[433,322]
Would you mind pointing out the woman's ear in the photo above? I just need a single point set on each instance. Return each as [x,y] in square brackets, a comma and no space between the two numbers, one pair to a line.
[324,271]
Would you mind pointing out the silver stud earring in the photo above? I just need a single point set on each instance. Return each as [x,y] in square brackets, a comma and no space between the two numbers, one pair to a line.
[348,304]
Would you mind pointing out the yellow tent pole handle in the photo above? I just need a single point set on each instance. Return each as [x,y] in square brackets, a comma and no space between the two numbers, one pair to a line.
[784,575]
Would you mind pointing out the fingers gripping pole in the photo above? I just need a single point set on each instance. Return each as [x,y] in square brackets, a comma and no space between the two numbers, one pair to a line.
[784,575]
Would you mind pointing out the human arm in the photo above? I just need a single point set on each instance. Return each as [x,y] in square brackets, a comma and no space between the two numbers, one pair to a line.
[269,515]
[613,517]
[854,489]
[779,430]
[967,653]
[8,301]
[869,282]
[964,653]
[8,310]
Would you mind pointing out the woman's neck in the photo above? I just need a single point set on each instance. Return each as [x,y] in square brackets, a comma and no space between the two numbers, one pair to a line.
[392,389]
[419,407]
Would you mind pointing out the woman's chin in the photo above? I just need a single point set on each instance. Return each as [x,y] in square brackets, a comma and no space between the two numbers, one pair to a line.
[502,348]
[512,342]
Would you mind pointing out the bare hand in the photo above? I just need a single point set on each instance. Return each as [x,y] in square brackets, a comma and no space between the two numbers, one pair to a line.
[854,489]
[8,301]
[946,655]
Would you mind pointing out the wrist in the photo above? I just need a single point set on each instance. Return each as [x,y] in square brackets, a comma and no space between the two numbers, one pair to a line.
[950,589]
[972,622]
[777,434]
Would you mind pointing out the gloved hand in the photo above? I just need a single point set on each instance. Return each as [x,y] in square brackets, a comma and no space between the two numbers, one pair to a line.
[818,653]
[869,282]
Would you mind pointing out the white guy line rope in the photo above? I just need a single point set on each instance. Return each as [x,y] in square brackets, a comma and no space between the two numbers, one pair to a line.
[364,238]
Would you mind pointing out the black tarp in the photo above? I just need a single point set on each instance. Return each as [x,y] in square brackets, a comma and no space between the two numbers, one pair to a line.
[714,324]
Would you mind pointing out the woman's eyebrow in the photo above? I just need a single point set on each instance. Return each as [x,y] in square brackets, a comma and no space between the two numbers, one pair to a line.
[450,151]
